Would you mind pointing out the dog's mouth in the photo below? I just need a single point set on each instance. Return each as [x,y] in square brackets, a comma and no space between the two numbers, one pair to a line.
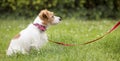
[56,23]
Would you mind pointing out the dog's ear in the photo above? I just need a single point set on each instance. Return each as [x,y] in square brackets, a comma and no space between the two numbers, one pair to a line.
[44,15]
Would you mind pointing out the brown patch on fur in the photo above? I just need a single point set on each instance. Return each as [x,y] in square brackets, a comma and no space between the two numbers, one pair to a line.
[46,16]
[16,36]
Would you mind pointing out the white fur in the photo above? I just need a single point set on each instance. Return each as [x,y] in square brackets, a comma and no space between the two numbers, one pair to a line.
[56,20]
[31,37]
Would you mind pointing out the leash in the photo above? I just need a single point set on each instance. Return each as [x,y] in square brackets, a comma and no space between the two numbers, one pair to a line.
[112,29]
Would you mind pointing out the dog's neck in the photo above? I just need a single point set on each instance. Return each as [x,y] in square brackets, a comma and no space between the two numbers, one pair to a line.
[40,27]
[39,24]
[38,20]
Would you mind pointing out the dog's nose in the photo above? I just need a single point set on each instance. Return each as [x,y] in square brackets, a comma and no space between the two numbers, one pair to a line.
[60,19]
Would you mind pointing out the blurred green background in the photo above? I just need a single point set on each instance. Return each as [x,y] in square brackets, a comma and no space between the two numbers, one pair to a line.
[83,9]
[83,20]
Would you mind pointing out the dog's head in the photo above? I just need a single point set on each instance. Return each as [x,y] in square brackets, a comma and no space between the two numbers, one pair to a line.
[48,17]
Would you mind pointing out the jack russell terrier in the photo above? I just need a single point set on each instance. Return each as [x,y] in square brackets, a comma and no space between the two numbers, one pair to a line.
[34,35]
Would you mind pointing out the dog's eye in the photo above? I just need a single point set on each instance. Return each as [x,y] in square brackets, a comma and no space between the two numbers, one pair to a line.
[52,16]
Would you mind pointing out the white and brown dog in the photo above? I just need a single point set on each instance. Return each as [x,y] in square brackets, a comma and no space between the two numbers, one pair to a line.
[34,35]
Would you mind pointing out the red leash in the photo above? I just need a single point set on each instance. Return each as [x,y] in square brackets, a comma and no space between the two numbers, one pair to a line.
[113,28]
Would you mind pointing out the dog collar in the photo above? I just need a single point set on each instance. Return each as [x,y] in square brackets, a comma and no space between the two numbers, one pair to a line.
[40,27]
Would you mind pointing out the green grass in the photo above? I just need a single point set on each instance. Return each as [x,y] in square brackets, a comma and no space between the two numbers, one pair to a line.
[68,31]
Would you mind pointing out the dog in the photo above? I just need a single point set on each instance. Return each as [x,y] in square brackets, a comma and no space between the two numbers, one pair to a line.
[34,35]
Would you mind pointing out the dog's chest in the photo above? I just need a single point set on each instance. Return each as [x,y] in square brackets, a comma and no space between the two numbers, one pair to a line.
[43,36]
[40,36]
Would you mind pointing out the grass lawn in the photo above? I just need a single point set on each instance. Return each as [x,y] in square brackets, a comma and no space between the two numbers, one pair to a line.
[68,31]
